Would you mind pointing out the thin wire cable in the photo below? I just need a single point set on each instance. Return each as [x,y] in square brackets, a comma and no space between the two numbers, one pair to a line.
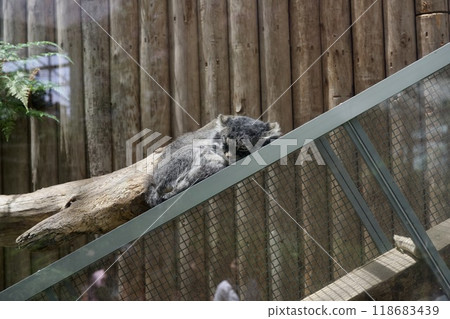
[316,60]
[135,61]
[312,238]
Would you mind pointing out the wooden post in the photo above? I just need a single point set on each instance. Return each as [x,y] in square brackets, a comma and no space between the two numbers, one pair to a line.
[124,17]
[276,79]
[72,150]
[338,86]
[432,32]
[250,199]
[400,51]
[186,91]
[44,132]
[154,60]
[184,76]
[368,62]
[160,244]
[97,86]
[215,100]
[307,101]
[214,62]
[72,143]
[16,166]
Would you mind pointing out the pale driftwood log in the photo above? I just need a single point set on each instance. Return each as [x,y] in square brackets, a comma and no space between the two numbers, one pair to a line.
[57,213]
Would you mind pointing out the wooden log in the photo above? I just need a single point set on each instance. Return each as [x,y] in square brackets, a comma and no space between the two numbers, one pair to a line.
[97,98]
[432,33]
[94,205]
[184,74]
[307,100]
[185,88]
[215,100]
[338,86]
[44,132]
[124,21]
[125,113]
[16,166]
[154,60]
[214,62]
[72,160]
[400,51]
[431,6]
[245,100]
[277,105]
[72,153]
[160,245]
[368,62]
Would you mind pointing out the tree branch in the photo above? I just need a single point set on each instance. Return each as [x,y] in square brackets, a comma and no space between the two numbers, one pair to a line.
[52,215]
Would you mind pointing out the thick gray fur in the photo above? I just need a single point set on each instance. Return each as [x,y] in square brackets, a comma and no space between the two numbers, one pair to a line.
[182,165]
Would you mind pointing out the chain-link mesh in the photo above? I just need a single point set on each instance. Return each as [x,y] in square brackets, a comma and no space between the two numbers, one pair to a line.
[288,230]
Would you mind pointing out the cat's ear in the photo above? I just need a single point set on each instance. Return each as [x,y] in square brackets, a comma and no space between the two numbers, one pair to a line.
[222,121]
[274,129]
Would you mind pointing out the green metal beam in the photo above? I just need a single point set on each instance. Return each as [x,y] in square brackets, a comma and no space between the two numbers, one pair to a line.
[354,196]
[399,203]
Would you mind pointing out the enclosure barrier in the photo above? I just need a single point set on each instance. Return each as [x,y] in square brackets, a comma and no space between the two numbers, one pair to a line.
[284,229]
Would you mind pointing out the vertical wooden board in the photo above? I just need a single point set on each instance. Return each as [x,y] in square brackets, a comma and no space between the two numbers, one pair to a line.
[69,76]
[97,99]
[307,101]
[250,198]
[215,100]
[124,17]
[185,89]
[315,220]
[16,152]
[192,276]
[400,39]
[400,51]
[44,132]
[161,263]
[214,61]
[154,60]
[160,245]
[306,65]
[277,106]
[432,33]
[369,68]
[125,113]
[338,87]
[130,272]
[244,58]
[431,6]
[184,71]
[221,235]
[72,142]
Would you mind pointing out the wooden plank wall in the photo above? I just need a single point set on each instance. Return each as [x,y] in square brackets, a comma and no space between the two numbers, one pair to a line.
[148,64]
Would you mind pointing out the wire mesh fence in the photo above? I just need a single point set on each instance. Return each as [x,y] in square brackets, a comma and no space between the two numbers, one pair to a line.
[288,230]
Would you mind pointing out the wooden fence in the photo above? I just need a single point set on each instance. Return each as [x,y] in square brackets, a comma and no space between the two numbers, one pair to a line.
[172,66]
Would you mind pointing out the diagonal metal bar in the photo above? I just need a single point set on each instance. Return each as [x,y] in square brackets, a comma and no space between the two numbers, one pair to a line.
[353,195]
[399,203]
